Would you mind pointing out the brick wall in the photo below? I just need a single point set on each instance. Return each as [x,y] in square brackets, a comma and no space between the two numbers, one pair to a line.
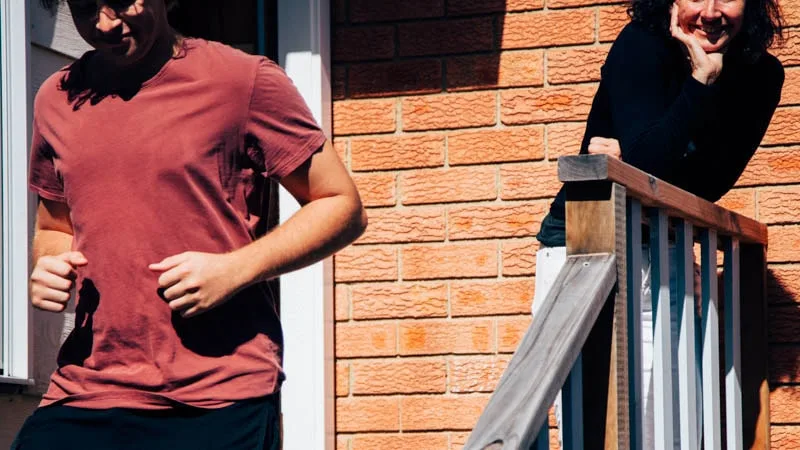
[451,115]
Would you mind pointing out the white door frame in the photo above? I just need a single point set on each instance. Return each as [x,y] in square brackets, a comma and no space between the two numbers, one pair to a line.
[15,330]
[307,398]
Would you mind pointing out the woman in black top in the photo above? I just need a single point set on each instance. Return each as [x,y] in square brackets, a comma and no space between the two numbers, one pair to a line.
[688,106]
[686,94]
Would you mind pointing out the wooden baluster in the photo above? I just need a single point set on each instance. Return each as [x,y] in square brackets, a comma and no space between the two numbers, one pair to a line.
[662,334]
[712,433]
[634,232]
[595,213]
[687,337]
[572,408]
[733,357]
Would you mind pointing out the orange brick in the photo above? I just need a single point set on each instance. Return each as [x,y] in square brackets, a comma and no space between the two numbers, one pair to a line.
[791,13]
[339,82]
[372,11]
[397,152]
[363,43]
[783,284]
[784,244]
[563,28]
[460,412]
[784,128]
[489,146]
[399,300]
[772,166]
[458,440]
[784,437]
[495,220]
[342,379]
[342,302]
[611,19]
[445,36]
[789,52]
[575,65]
[476,373]
[343,442]
[784,362]
[448,185]
[461,260]
[386,79]
[791,87]
[354,340]
[482,298]
[574,3]
[426,441]
[354,414]
[529,180]
[783,403]
[404,225]
[784,326]
[399,376]
[436,112]
[510,331]
[550,104]
[340,145]
[437,337]
[564,139]
[779,204]
[519,257]
[377,189]
[506,69]
[461,7]
[742,201]
[358,263]
[363,116]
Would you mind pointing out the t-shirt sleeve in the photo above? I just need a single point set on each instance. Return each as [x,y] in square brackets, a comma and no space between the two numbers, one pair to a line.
[280,131]
[42,175]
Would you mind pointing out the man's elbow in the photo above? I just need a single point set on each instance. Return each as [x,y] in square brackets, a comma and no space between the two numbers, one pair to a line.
[358,221]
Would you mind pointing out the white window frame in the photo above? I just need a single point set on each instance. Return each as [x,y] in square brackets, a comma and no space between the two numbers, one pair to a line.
[15,329]
[308,396]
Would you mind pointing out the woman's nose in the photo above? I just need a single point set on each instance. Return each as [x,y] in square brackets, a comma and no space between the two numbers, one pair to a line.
[710,11]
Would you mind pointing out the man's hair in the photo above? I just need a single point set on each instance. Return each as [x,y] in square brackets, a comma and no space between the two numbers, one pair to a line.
[53,4]
[762,24]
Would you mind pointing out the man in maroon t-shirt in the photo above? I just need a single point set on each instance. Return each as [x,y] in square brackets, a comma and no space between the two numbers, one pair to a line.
[151,157]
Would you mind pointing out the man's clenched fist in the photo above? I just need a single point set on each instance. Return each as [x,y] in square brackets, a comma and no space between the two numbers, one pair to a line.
[53,278]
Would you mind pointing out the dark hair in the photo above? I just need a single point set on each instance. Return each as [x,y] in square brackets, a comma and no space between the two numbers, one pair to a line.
[52,4]
[762,25]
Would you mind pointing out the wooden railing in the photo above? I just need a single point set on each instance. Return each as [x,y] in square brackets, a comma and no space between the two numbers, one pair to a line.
[586,337]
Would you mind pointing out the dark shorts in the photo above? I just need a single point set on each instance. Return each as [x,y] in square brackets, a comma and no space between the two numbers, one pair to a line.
[248,425]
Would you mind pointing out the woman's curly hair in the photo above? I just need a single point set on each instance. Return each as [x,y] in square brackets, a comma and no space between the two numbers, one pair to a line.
[52,4]
[762,25]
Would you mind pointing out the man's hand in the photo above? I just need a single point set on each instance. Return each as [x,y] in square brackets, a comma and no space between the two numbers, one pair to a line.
[53,278]
[706,67]
[605,146]
[194,282]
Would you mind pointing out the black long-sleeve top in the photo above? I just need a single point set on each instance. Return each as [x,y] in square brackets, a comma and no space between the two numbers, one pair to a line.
[670,125]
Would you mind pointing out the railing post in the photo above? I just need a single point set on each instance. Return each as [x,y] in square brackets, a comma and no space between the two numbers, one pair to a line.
[596,223]
[636,402]
[753,303]
[712,434]
[733,355]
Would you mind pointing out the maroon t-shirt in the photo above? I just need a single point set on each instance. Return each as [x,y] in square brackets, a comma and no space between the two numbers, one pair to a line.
[180,166]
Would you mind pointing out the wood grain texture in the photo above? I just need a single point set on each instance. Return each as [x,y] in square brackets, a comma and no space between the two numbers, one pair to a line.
[518,408]
[596,223]
[657,193]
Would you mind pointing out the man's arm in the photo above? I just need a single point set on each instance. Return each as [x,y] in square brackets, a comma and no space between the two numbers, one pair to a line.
[331,217]
[53,275]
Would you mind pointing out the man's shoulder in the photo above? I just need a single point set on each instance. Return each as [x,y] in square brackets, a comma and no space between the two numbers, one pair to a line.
[50,91]
[221,58]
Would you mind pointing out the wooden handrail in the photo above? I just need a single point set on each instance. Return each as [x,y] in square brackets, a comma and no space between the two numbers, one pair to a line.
[539,368]
[657,193]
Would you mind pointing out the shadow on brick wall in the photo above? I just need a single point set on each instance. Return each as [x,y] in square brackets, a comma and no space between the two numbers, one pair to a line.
[387,49]
[783,330]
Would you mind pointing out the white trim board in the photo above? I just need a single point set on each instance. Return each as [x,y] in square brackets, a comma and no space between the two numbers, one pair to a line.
[15,118]
[307,295]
